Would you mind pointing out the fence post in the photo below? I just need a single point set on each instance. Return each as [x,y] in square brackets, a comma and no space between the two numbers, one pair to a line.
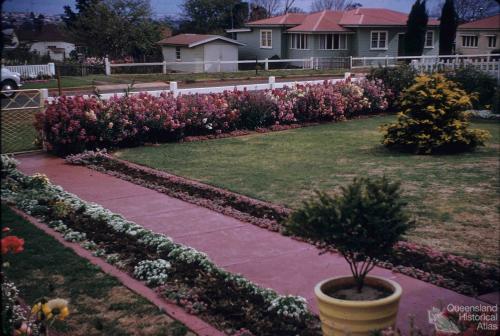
[218,65]
[272,80]
[350,62]
[386,61]
[44,95]
[312,62]
[164,70]
[173,88]
[364,61]
[107,66]
[52,69]
[266,64]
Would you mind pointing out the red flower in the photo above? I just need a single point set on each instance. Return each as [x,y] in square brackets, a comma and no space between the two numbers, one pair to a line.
[12,244]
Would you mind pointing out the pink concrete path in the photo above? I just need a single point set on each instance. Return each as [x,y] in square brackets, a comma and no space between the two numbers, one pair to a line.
[267,258]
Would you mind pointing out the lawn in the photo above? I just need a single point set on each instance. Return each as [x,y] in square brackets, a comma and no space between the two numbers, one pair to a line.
[91,80]
[99,304]
[454,198]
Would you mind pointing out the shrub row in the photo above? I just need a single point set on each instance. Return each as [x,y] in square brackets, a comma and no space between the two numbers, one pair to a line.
[73,124]
[178,272]
[443,269]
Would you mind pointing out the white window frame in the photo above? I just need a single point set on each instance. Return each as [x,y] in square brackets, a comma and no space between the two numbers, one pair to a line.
[491,38]
[266,31]
[178,53]
[326,36]
[378,39]
[471,36]
[298,37]
[432,40]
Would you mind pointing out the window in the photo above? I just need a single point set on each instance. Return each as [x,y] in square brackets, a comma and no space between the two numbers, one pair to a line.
[378,40]
[266,39]
[177,53]
[299,41]
[492,41]
[469,41]
[429,39]
[333,41]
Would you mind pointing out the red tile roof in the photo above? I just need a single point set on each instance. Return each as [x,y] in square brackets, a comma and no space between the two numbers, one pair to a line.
[320,22]
[282,20]
[192,40]
[337,21]
[492,22]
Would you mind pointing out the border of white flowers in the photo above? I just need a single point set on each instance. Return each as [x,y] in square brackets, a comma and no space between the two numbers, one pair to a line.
[289,306]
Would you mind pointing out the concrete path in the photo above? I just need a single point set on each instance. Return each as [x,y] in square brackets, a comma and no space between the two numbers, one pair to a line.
[267,258]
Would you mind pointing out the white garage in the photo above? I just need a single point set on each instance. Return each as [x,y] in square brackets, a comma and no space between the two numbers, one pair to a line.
[200,53]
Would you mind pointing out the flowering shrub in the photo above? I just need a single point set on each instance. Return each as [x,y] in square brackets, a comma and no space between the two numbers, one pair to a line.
[73,124]
[154,272]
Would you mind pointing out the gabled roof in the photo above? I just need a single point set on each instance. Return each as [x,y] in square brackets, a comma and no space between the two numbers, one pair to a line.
[337,20]
[290,19]
[320,22]
[491,23]
[193,40]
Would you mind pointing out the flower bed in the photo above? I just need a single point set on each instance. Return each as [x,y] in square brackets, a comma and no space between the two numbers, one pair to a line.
[73,124]
[180,273]
[424,263]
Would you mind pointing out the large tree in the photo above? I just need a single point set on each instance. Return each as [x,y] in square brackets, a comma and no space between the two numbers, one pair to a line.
[415,29]
[447,28]
[470,10]
[319,5]
[212,16]
[115,28]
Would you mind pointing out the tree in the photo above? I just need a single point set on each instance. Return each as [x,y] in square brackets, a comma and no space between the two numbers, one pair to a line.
[257,13]
[320,5]
[272,7]
[415,29]
[447,28]
[212,16]
[115,28]
[471,10]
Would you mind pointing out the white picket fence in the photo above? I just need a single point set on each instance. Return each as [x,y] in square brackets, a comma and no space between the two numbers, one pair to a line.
[489,63]
[33,71]
[173,88]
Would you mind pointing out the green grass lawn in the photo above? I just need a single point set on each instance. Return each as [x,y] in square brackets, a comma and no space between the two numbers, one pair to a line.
[99,304]
[454,198]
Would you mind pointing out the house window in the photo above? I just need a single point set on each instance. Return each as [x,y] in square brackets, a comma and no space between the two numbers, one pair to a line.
[378,40]
[299,41]
[266,39]
[469,41]
[429,39]
[177,53]
[492,41]
[333,41]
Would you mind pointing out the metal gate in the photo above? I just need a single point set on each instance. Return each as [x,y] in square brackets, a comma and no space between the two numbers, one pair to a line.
[17,119]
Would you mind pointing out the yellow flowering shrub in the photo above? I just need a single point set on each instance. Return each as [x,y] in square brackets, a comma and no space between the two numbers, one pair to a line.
[433,119]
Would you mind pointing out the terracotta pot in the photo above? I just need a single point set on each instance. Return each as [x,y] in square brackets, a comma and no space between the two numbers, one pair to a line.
[356,318]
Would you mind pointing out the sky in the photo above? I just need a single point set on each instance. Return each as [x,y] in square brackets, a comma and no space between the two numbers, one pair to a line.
[172,7]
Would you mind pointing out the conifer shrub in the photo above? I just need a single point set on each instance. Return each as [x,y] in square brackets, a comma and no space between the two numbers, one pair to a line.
[433,119]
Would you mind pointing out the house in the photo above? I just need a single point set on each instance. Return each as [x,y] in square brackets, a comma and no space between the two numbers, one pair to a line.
[200,48]
[479,37]
[50,40]
[361,32]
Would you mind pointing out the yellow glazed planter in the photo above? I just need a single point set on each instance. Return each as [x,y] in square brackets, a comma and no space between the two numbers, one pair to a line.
[356,318]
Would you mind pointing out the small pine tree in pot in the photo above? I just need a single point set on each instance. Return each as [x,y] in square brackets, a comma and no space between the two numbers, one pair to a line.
[363,223]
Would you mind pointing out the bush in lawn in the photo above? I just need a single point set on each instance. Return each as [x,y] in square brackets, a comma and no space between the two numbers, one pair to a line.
[433,119]
[397,79]
[495,108]
[477,83]
[363,223]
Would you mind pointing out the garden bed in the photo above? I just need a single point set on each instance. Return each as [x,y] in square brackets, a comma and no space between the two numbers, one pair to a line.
[443,269]
[98,303]
[179,273]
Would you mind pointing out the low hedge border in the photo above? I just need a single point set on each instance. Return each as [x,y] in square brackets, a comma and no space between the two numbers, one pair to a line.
[442,269]
[179,273]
